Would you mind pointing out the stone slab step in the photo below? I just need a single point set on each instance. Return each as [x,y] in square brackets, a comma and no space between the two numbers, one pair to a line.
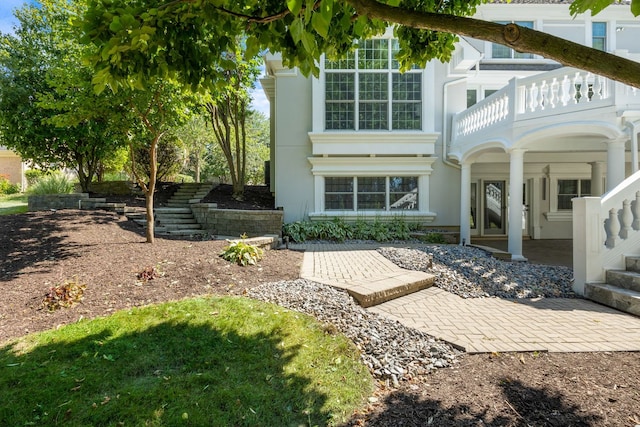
[191,232]
[619,298]
[162,216]
[368,292]
[269,241]
[632,263]
[174,226]
[172,210]
[496,253]
[624,279]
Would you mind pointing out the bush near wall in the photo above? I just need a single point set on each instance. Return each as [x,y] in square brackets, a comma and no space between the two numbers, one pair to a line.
[6,187]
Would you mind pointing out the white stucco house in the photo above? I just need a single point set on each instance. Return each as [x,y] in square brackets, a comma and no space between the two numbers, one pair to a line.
[496,142]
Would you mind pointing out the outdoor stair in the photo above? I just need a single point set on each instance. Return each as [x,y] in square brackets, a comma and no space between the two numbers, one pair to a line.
[101,203]
[621,290]
[176,217]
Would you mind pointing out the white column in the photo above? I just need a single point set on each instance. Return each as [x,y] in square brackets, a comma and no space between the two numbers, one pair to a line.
[596,179]
[465,203]
[615,162]
[516,179]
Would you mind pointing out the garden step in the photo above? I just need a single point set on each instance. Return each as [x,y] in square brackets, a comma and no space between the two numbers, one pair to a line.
[163,216]
[632,263]
[177,226]
[188,232]
[369,292]
[624,279]
[613,296]
[177,221]
[173,210]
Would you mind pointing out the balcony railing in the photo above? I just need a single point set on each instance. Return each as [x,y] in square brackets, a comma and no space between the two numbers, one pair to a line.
[548,94]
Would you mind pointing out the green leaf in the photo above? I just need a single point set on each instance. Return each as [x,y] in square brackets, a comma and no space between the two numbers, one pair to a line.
[253,47]
[320,25]
[635,7]
[294,6]
[296,30]
[115,25]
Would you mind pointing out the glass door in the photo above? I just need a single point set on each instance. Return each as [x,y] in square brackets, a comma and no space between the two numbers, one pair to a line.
[494,207]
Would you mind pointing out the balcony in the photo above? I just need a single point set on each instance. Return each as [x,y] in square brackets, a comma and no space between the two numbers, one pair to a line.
[558,96]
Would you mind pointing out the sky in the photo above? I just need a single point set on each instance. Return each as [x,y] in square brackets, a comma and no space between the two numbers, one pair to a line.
[7,21]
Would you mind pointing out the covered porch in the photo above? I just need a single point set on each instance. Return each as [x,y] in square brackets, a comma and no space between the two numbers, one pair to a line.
[527,150]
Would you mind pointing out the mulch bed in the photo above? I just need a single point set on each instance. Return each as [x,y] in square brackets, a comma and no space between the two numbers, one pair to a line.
[107,253]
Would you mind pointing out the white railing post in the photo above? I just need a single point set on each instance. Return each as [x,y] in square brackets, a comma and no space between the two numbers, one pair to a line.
[588,242]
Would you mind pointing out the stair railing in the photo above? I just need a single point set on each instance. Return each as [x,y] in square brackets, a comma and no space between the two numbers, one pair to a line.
[605,230]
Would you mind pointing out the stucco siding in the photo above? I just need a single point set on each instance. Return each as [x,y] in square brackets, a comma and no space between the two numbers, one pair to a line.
[294,182]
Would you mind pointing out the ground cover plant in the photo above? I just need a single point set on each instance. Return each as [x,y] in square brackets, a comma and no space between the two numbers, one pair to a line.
[205,361]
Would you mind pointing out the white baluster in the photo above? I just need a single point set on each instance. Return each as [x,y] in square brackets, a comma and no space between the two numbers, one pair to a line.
[553,98]
[542,94]
[627,219]
[533,93]
[612,228]
[597,88]
[573,90]
[584,89]
[565,89]
[636,213]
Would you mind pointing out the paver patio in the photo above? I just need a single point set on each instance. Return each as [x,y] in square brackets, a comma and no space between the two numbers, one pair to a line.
[477,325]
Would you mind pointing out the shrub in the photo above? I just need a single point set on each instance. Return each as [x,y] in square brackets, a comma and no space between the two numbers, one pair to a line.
[64,295]
[338,230]
[33,176]
[242,252]
[6,187]
[54,183]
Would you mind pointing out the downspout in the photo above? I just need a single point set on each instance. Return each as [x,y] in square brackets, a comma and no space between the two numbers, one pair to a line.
[634,127]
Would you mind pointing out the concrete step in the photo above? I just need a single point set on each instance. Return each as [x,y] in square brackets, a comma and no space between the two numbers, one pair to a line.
[613,296]
[190,226]
[171,210]
[177,221]
[170,216]
[191,232]
[632,263]
[623,279]
[171,204]
[373,292]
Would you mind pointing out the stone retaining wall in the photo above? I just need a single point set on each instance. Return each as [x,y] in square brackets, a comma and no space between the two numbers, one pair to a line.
[44,202]
[234,222]
[116,188]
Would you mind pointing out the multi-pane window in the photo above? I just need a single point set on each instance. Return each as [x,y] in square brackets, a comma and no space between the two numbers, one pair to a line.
[366,91]
[338,193]
[570,188]
[379,193]
[599,35]
[499,51]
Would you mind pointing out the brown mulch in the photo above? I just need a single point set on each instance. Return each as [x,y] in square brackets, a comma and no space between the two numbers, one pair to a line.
[106,252]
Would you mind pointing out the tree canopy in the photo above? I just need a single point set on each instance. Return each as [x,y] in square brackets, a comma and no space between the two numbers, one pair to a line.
[137,41]
[49,113]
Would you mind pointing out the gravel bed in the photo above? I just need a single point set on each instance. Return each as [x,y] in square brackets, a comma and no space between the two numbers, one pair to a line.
[392,351]
[472,273]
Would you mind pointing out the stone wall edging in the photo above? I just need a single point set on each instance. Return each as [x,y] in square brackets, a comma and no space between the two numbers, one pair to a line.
[236,222]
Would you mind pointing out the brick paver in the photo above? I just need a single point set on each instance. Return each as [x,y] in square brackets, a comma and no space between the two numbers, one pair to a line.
[478,324]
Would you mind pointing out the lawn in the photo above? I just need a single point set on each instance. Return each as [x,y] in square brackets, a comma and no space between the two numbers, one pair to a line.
[13,204]
[203,361]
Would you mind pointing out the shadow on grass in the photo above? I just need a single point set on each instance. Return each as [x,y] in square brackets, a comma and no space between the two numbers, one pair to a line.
[522,406]
[168,374]
[33,239]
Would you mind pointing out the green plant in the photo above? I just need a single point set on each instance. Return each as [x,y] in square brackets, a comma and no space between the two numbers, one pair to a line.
[53,183]
[6,187]
[241,252]
[434,238]
[33,176]
[64,295]
[338,230]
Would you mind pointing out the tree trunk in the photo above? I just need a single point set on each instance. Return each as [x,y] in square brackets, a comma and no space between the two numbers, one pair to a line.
[151,188]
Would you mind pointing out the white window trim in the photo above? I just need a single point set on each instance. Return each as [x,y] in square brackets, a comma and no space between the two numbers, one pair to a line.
[372,166]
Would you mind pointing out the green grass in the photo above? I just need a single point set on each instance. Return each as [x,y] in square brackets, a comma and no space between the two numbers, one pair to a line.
[208,361]
[13,204]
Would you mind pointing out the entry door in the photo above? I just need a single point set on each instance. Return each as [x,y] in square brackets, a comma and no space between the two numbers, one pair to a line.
[494,220]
